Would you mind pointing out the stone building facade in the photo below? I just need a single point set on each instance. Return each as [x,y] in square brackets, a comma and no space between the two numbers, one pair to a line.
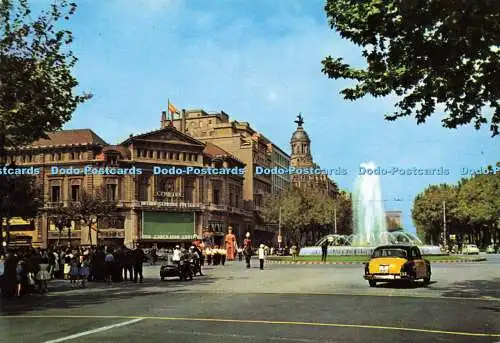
[301,157]
[239,139]
[155,205]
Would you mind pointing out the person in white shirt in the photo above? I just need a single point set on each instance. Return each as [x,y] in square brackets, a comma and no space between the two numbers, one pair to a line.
[262,255]
[176,258]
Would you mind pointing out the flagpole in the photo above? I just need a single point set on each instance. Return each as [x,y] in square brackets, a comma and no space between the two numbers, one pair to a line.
[168,109]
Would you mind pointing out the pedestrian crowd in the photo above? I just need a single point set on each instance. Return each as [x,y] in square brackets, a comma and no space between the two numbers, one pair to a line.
[27,271]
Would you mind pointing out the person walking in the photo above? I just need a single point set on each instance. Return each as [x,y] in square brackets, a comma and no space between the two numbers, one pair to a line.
[262,255]
[74,272]
[84,272]
[293,251]
[247,249]
[21,275]
[43,274]
[109,264]
[176,258]
[324,250]
[138,259]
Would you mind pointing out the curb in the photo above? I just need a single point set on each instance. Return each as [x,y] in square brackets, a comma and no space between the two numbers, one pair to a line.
[360,263]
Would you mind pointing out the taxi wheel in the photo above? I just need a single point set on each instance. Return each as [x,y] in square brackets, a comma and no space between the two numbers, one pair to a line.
[372,283]
[427,280]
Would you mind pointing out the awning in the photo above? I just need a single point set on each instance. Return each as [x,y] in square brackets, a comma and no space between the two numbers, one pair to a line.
[17,221]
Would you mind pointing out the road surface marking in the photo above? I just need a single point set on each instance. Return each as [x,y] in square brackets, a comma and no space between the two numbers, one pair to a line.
[85,333]
[246,321]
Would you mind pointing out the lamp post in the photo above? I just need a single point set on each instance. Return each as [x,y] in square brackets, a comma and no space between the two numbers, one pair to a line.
[444,225]
[335,218]
[279,231]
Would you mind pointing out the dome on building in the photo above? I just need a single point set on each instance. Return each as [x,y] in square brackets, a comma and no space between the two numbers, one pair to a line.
[300,135]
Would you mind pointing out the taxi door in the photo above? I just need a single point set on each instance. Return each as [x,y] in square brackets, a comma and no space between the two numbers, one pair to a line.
[421,267]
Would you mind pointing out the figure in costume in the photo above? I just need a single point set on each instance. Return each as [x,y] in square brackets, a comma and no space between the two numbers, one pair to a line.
[230,241]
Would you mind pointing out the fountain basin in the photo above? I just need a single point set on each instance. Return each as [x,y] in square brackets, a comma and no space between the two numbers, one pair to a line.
[427,250]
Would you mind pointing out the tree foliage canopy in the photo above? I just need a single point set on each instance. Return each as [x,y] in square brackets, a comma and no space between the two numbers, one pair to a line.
[427,53]
[303,212]
[19,196]
[36,84]
[472,209]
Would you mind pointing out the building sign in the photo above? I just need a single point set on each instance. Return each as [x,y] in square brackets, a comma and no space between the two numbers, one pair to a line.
[170,204]
[162,194]
[172,237]
[111,234]
[168,225]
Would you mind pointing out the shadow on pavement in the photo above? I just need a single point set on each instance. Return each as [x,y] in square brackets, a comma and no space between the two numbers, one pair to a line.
[62,296]
[403,285]
[473,288]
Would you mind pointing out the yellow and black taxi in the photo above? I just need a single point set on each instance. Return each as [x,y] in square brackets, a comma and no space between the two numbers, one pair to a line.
[397,262]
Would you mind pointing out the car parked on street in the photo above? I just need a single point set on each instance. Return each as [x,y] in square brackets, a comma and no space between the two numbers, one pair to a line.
[397,262]
[470,249]
[490,249]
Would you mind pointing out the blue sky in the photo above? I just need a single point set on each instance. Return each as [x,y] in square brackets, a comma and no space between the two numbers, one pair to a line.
[259,61]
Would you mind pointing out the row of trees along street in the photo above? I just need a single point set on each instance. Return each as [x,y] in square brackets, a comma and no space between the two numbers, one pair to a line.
[470,210]
[21,197]
[90,208]
[306,216]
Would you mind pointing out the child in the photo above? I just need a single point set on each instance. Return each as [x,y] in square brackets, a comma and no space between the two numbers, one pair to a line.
[84,273]
[74,272]
[262,255]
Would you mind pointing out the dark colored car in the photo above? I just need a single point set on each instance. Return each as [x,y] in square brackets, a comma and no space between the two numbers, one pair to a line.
[169,270]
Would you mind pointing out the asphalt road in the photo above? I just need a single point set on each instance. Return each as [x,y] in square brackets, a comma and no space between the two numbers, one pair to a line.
[283,303]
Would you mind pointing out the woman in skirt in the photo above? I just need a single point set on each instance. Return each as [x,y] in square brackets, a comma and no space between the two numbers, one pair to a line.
[74,273]
[84,272]
[43,274]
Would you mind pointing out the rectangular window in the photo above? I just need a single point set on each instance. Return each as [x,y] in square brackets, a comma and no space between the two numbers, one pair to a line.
[111,191]
[216,197]
[55,194]
[75,192]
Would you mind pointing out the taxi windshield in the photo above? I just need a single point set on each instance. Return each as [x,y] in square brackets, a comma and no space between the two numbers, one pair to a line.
[390,253]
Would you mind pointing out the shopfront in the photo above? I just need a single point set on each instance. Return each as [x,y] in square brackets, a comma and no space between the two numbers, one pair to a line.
[19,232]
[164,229]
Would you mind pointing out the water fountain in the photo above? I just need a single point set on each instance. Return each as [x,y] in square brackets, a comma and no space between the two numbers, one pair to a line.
[369,224]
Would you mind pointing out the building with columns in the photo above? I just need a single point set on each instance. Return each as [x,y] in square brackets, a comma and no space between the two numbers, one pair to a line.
[154,208]
[249,146]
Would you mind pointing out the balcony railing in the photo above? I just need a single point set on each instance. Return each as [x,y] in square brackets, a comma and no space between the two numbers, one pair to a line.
[75,234]
[217,207]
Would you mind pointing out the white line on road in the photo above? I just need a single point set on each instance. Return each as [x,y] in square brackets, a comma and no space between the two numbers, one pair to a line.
[104,328]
